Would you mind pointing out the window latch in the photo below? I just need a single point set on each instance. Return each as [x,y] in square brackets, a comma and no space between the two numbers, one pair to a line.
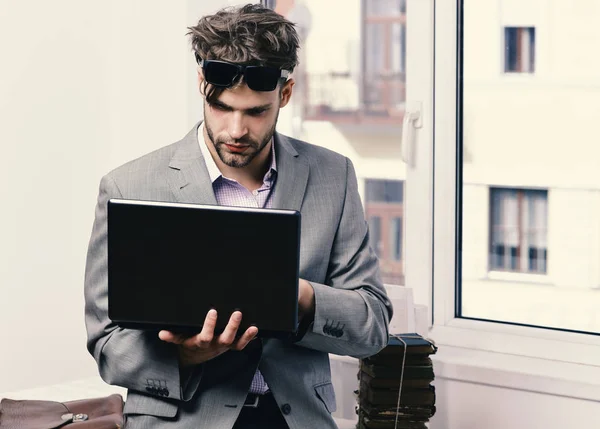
[412,121]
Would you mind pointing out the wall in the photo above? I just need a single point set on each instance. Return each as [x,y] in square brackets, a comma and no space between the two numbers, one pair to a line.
[84,87]
[463,405]
[553,110]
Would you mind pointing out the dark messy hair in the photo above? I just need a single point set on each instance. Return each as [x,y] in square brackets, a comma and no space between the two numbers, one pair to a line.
[250,35]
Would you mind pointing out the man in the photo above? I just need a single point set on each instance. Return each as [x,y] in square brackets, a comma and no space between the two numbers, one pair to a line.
[235,157]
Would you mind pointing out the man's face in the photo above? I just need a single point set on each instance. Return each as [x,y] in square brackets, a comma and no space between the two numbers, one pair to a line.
[241,123]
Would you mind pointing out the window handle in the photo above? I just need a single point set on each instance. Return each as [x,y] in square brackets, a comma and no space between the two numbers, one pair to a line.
[412,121]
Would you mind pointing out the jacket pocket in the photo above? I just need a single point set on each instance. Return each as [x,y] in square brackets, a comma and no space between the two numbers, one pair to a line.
[137,403]
[326,393]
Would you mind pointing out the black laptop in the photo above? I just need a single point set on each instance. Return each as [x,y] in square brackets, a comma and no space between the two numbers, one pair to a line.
[170,263]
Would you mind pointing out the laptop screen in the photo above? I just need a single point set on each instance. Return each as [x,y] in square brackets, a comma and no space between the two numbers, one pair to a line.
[170,263]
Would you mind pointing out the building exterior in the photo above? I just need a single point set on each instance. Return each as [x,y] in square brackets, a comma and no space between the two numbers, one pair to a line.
[531,207]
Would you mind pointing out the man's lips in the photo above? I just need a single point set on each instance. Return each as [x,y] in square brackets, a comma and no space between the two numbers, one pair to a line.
[236,148]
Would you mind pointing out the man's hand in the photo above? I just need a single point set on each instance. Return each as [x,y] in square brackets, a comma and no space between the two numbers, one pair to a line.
[205,346]
[306,298]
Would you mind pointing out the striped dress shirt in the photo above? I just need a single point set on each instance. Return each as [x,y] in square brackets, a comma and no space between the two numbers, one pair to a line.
[229,192]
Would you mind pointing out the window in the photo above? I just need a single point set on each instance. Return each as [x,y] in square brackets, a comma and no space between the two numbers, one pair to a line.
[396,239]
[519,48]
[362,78]
[384,211]
[384,57]
[518,230]
[521,248]
[375,230]
[349,97]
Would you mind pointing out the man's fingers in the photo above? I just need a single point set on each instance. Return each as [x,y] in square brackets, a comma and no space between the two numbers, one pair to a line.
[170,337]
[205,337]
[248,336]
[228,336]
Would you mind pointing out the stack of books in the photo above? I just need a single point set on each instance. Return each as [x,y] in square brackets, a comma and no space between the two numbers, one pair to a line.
[380,382]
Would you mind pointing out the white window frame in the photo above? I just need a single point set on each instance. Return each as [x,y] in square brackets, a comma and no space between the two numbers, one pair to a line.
[527,358]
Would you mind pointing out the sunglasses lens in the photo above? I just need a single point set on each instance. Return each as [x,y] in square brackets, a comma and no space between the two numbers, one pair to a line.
[220,74]
[262,78]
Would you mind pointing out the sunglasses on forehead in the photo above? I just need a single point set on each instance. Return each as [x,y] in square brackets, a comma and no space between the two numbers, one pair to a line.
[224,74]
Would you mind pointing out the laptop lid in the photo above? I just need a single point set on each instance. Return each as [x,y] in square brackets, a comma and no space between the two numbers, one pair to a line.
[170,263]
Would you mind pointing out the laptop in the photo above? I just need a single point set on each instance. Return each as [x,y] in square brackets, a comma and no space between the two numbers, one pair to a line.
[170,263]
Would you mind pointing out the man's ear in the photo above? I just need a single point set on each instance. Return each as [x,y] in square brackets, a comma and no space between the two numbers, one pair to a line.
[286,92]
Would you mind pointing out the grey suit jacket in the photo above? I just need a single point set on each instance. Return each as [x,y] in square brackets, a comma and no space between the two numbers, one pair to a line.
[351,315]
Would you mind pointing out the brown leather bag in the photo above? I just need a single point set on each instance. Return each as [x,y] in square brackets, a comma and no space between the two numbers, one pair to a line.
[95,413]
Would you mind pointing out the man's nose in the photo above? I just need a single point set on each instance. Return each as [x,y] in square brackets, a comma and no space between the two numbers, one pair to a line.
[237,126]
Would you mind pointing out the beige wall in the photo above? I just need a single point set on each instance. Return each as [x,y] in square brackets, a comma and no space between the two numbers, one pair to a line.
[84,87]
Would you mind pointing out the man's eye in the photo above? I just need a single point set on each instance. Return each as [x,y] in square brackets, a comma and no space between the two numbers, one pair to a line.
[256,112]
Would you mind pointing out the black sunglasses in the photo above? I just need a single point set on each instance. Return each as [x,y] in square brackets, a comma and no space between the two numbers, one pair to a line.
[224,74]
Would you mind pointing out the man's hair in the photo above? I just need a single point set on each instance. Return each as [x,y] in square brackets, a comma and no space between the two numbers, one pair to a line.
[249,35]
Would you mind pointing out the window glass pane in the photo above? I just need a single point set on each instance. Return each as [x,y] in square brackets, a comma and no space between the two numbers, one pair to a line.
[531,188]
[398,48]
[350,97]
[375,54]
[375,230]
[518,222]
[519,49]
[385,7]
[384,191]
[396,238]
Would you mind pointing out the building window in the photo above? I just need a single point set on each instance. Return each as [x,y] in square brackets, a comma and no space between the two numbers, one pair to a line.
[385,7]
[518,238]
[519,49]
[384,57]
[375,232]
[384,200]
[396,238]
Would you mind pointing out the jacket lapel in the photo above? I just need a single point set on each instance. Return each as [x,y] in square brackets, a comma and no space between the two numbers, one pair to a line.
[190,182]
[188,176]
[292,175]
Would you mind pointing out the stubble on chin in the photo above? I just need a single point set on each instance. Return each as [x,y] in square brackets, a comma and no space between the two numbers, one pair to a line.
[237,160]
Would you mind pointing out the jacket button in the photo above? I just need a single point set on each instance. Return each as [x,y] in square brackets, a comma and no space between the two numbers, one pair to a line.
[286,409]
[339,333]
[164,391]
[326,330]
[150,389]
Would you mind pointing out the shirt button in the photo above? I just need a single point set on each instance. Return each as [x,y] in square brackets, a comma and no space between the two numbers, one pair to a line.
[255,193]
[286,409]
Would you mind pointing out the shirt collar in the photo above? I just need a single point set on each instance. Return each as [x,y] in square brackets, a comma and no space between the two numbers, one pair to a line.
[213,171]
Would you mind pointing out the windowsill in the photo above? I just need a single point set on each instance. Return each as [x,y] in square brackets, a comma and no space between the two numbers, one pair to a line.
[512,372]
[518,277]
[517,372]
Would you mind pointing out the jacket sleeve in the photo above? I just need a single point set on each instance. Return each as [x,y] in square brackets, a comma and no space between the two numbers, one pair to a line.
[133,359]
[352,310]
